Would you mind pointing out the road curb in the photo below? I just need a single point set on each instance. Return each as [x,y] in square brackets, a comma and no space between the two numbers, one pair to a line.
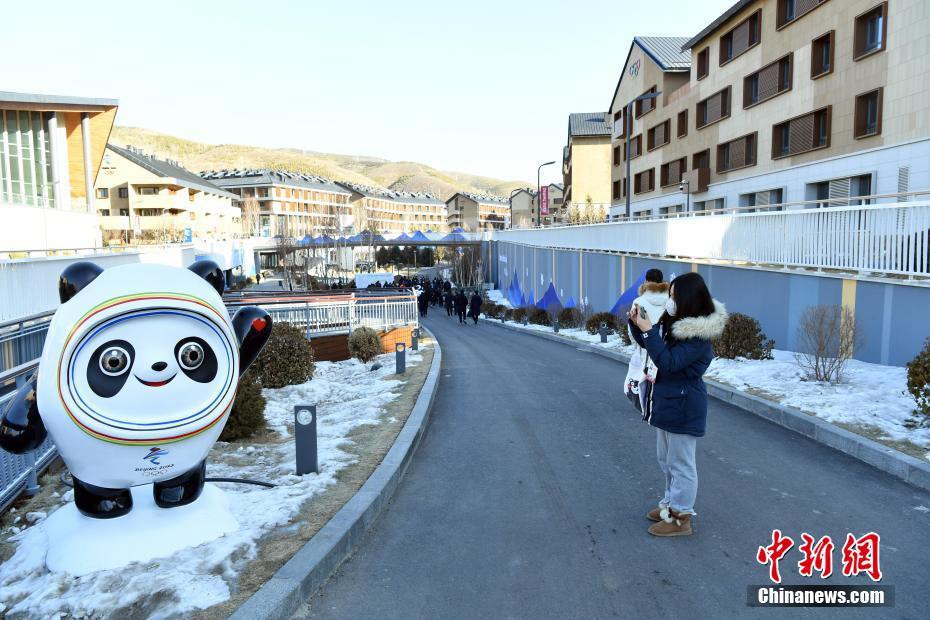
[888,460]
[301,576]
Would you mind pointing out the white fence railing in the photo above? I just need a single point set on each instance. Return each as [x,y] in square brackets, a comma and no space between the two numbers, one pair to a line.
[887,238]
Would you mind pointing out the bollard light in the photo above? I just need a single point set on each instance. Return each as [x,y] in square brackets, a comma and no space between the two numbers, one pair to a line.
[400,358]
[526,320]
[555,325]
[603,332]
[415,339]
[305,439]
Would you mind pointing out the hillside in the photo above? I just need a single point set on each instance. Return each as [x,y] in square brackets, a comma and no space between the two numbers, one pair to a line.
[404,176]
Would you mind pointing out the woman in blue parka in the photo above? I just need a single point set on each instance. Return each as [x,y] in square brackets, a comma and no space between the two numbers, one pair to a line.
[679,345]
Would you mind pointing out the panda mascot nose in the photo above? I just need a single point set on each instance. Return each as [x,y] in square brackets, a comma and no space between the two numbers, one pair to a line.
[159,366]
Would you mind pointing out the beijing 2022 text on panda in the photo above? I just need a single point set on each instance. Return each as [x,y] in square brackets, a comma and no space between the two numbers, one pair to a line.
[136,381]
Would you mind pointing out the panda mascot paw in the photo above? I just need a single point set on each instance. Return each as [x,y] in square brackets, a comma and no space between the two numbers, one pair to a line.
[136,381]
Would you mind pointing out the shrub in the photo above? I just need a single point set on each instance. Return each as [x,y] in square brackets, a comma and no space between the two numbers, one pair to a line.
[593,324]
[248,410]
[364,344]
[508,314]
[827,337]
[918,384]
[624,331]
[519,314]
[287,358]
[538,316]
[569,318]
[491,309]
[743,337]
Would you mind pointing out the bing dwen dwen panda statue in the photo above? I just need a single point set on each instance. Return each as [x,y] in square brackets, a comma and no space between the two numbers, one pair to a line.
[136,381]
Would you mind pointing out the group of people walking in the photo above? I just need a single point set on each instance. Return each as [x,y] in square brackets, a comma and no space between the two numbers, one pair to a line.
[673,325]
[454,300]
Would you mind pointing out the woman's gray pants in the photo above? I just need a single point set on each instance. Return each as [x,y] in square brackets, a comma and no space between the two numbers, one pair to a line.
[677,461]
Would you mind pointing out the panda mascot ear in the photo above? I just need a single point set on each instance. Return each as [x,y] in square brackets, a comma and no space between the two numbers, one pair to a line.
[211,272]
[75,277]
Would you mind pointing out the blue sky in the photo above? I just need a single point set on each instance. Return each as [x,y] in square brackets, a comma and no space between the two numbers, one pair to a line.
[480,86]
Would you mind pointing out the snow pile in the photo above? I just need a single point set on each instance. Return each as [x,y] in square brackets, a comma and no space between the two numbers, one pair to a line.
[497,296]
[580,334]
[347,396]
[871,394]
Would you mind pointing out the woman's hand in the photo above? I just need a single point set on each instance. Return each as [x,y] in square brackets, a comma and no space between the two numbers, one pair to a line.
[644,324]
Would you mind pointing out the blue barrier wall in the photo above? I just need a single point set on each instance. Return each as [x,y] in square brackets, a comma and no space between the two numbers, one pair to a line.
[894,318]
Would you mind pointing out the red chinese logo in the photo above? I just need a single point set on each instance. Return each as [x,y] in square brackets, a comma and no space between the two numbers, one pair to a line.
[817,557]
[860,555]
[773,553]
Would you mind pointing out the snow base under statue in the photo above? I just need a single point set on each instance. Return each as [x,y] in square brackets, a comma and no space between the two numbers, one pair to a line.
[79,545]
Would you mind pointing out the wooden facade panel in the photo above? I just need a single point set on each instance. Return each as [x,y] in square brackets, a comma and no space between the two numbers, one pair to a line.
[331,348]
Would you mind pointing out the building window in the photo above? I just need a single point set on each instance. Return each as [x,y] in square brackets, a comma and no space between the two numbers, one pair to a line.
[868,114]
[636,146]
[25,158]
[103,193]
[741,38]
[870,31]
[738,153]
[659,135]
[644,181]
[618,154]
[619,128]
[148,191]
[801,134]
[672,172]
[713,109]
[123,192]
[788,11]
[644,106]
[703,63]
[616,190]
[822,55]
[682,124]
[700,160]
[769,81]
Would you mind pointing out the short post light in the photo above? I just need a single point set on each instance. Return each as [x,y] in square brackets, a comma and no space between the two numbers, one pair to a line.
[305,439]
[400,358]
[603,332]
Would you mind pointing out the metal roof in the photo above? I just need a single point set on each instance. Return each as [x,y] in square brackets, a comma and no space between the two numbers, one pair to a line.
[169,169]
[588,124]
[250,177]
[730,12]
[667,52]
[485,198]
[52,100]
[389,194]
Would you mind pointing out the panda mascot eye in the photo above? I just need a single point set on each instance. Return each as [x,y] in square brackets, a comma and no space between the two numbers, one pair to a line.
[190,356]
[196,359]
[108,367]
[114,361]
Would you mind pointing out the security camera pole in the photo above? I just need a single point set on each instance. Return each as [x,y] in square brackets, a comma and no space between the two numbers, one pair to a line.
[628,129]
[538,204]
[685,186]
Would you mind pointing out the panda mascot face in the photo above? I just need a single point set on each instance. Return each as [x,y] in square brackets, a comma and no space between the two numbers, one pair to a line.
[137,378]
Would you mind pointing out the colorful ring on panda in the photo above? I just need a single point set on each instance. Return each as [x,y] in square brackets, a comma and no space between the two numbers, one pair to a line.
[116,301]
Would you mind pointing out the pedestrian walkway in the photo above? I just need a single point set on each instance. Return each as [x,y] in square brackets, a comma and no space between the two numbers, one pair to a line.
[526,499]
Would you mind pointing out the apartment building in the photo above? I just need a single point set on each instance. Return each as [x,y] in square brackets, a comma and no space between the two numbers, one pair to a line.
[474,212]
[50,152]
[392,212]
[525,207]
[586,161]
[290,204]
[141,198]
[776,101]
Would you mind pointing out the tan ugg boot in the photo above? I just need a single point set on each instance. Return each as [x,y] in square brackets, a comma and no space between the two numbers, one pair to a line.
[655,514]
[672,524]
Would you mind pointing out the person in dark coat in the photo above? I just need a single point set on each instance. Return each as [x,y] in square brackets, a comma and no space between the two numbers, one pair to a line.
[461,303]
[448,301]
[423,302]
[679,344]
[475,307]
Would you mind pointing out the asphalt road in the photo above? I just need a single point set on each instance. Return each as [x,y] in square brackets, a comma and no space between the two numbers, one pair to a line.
[526,499]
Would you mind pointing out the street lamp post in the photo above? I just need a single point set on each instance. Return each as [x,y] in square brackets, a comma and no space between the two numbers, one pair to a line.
[538,171]
[628,129]
[512,192]
[685,186]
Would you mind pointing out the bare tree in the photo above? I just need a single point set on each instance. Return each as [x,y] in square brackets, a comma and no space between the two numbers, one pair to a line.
[827,337]
[466,266]
[250,210]
[284,249]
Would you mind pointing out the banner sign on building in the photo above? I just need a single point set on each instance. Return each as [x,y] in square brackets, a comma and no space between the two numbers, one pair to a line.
[544,200]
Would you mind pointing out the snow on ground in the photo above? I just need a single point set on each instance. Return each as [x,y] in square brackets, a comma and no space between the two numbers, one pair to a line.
[497,296]
[870,394]
[347,396]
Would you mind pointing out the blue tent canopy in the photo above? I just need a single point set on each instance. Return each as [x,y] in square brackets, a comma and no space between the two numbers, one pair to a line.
[307,240]
[418,236]
[453,236]
[458,230]
[549,299]
[402,237]
[571,302]
[626,299]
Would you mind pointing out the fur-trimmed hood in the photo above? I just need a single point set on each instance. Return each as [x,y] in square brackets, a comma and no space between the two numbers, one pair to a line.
[653,287]
[705,327]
